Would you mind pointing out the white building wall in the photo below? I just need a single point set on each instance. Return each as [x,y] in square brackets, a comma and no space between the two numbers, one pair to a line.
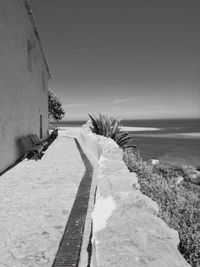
[23,97]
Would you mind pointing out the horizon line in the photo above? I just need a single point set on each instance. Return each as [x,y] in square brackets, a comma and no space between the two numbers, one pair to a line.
[136,119]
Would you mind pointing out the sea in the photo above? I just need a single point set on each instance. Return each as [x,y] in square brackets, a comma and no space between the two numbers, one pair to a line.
[171,140]
[175,140]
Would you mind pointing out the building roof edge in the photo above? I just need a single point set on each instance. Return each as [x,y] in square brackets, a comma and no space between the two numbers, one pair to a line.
[33,23]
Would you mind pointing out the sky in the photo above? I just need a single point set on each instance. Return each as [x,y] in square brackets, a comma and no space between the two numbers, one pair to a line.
[131,59]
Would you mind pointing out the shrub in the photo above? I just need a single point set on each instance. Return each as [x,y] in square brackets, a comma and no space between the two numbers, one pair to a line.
[133,160]
[170,170]
[179,206]
[109,127]
[105,126]
[122,139]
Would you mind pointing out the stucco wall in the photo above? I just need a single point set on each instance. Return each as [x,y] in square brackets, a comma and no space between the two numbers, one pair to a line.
[23,97]
[126,228]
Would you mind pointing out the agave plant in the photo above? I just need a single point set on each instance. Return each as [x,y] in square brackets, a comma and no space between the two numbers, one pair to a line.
[122,139]
[105,126]
[110,127]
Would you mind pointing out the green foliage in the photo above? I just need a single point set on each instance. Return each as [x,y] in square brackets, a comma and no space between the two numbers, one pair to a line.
[122,139]
[179,205]
[170,170]
[109,127]
[105,126]
[133,159]
[56,112]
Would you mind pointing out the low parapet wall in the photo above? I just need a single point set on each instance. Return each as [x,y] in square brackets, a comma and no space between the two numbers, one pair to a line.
[126,229]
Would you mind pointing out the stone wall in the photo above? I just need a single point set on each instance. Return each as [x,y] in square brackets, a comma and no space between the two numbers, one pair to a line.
[126,228]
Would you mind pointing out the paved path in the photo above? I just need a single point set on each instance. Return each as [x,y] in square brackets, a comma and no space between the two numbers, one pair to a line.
[35,202]
[70,247]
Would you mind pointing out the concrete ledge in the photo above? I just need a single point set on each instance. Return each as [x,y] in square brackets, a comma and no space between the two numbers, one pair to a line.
[126,229]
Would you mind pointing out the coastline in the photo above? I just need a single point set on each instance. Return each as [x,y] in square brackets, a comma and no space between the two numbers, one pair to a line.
[182,148]
[135,130]
[138,129]
[170,135]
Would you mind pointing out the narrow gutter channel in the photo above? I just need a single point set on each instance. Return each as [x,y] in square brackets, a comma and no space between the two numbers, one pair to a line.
[70,246]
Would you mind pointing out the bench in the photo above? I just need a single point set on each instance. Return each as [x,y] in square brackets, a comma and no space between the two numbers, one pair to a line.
[32,146]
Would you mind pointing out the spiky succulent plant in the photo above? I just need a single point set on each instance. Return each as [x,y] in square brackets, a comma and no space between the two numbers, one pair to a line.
[109,127]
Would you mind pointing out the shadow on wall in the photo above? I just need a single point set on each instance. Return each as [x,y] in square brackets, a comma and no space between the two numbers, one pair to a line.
[20,149]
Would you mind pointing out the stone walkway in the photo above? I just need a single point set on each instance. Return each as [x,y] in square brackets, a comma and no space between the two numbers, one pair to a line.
[35,201]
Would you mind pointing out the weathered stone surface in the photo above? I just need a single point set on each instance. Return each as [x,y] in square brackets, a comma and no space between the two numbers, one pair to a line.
[90,143]
[126,229]
[133,235]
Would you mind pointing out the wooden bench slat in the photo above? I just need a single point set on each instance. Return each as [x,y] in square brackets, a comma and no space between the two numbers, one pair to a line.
[32,139]
[32,146]
[26,143]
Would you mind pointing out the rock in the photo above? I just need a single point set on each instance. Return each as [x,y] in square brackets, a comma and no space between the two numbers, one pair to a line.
[193,176]
[154,161]
[129,233]
[132,234]
[195,180]
[198,168]
[126,229]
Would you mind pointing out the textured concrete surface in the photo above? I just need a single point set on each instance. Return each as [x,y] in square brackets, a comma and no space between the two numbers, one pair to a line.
[35,202]
[126,229]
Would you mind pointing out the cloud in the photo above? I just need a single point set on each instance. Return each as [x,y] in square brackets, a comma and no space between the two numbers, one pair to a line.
[116,101]
[123,100]
[76,105]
